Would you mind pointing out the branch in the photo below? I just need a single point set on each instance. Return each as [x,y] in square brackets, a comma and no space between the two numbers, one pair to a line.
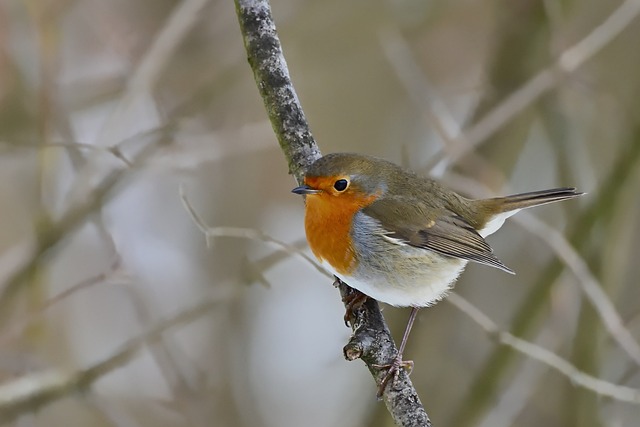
[16,327]
[270,71]
[568,62]
[243,233]
[52,233]
[565,251]
[371,340]
[542,355]
[588,283]
[32,392]
[484,387]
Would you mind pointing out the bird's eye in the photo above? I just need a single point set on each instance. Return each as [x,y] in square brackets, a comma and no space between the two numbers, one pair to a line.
[341,185]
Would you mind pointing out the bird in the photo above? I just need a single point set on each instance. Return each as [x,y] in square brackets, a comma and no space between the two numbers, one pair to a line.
[400,238]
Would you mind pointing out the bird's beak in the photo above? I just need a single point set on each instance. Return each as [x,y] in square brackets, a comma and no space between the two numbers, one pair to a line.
[305,189]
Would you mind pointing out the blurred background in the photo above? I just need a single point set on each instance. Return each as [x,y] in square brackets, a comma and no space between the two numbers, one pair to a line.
[109,109]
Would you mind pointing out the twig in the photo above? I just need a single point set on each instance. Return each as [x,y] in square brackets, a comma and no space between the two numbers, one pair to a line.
[152,63]
[587,282]
[533,351]
[600,208]
[300,149]
[244,233]
[113,150]
[420,91]
[416,84]
[52,234]
[141,83]
[18,325]
[30,393]
[568,62]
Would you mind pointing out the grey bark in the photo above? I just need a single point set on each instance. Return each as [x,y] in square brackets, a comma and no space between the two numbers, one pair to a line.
[371,340]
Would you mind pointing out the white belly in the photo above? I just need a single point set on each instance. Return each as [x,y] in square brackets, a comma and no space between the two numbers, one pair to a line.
[419,281]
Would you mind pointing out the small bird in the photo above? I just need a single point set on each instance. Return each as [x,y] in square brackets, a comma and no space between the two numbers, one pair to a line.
[397,237]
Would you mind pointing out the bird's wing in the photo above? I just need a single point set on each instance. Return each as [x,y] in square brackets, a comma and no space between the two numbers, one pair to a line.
[436,229]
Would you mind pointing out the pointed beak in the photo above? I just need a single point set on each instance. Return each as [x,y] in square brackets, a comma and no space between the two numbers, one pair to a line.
[305,189]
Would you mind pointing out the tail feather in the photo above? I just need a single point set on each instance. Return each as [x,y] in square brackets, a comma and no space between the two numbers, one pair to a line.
[535,198]
[498,209]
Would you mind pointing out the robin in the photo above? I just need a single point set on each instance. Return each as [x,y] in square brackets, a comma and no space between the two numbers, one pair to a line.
[397,237]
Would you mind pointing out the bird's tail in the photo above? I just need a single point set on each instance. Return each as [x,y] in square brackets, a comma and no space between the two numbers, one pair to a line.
[534,198]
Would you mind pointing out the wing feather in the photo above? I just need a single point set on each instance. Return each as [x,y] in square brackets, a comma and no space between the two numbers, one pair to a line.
[436,229]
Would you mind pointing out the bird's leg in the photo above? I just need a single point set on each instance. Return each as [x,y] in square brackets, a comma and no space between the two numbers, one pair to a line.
[352,302]
[397,362]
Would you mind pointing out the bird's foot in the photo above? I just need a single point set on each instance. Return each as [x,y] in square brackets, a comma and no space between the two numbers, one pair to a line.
[352,302]
[393,371]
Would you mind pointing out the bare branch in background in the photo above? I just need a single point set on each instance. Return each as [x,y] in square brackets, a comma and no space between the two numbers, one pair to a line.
[244,233]
[31,392]
[600,207]
[569,61]
[51,235]
[17,326]
[601,387]
[587,282]
[113,150]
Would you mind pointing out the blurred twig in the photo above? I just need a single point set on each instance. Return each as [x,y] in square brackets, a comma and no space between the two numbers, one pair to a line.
[113,150]
[32,392]
[568,62]
[588,283]
[601,387]
[244,233]
[142,82]
[264,53]
[419,89]
[51,234]
[152,63]
[591,287]
[18,325]
[427,100]
[602,205]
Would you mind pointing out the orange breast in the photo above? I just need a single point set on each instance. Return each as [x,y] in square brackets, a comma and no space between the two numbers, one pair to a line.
[328,222]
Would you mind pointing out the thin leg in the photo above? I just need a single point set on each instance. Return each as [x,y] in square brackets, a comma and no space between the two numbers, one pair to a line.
[397,362]
[407,330]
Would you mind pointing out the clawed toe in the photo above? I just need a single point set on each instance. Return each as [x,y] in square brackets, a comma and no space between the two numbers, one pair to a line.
[352,302]
[393,372]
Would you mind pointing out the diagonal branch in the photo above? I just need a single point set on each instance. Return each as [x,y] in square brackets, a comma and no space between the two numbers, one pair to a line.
[52,234]
[542,355]
[35,391]
[371,340]
[588,283]
[271,73]
[568,62]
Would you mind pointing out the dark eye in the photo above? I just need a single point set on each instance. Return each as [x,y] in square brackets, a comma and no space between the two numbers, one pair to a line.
[341,185]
